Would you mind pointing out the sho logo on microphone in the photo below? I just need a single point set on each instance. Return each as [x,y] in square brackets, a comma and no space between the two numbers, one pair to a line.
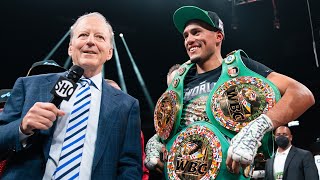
[64,88]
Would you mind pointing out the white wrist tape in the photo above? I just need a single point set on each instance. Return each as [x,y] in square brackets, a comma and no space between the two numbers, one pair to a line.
[244,145]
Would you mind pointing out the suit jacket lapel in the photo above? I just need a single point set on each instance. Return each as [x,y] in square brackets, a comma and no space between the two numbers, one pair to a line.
[291,154]
[106,121]
[271,167]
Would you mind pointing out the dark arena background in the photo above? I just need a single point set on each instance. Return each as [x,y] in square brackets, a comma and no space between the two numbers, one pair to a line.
[282,34]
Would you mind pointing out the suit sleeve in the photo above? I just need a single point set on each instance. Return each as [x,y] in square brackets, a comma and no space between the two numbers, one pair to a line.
[10,119]
[130,163]
[309,167]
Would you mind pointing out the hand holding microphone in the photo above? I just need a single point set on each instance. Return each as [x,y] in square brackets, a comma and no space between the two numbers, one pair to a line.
[42,114]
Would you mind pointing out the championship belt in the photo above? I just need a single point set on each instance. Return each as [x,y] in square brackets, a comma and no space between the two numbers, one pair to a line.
[239,96]
[168,109]
[199,151]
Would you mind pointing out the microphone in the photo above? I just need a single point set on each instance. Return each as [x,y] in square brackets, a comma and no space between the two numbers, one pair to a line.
[66,85]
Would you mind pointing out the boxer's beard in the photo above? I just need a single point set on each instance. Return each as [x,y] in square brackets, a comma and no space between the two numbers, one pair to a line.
[196,59]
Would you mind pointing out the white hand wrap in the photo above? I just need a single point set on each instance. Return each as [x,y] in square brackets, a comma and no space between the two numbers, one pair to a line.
[243,146]
[153,150]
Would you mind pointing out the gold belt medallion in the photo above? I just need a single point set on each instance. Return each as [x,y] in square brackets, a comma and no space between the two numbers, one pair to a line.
[240,100]
[165,113]
[195,154]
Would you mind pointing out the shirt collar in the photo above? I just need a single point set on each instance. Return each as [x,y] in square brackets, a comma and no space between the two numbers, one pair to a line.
[284,152]
[97,80]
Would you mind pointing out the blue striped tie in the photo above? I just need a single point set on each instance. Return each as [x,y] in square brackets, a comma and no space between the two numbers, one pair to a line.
[71,153]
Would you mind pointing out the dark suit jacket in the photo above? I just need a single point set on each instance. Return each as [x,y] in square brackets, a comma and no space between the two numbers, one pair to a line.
[299,165]
[118,150]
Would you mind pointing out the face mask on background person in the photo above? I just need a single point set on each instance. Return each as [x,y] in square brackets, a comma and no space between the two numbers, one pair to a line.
[282,141]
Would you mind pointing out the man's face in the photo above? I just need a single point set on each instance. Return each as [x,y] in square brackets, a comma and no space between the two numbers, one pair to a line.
[200,41]
[90,46]
[285,131]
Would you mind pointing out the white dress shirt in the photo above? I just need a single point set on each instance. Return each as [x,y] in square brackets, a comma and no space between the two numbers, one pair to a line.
[91,133]
[279,162]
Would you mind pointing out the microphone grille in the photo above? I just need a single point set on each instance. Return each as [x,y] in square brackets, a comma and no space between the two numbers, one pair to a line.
[75,73]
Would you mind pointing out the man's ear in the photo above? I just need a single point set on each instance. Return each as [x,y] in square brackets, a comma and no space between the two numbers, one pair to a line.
[220,36]
[110,53]
[70,49]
